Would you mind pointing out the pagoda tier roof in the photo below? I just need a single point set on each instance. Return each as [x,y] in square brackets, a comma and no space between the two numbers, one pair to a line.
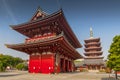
[95,52]
[93,48]
[92,40]
[59,42]
[57,17]
[92,44]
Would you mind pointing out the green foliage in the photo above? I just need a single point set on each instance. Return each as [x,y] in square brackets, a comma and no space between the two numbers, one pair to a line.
[102,70]
[16,61]
[6,60]
[114,56]
[2,68]
[21,66]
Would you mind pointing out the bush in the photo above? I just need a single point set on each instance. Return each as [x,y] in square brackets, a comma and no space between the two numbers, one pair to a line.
[108,70]
[102,70]
[21,66]
[83,70]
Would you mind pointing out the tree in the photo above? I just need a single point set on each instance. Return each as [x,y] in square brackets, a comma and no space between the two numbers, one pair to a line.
[7,60]
[114,56]
[3,62]
[21,66]
[1,67]
[16,61]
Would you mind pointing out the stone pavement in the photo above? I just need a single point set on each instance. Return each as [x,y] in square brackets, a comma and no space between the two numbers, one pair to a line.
[24,75]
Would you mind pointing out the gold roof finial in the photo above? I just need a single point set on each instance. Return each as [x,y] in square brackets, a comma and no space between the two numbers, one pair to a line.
[91,32]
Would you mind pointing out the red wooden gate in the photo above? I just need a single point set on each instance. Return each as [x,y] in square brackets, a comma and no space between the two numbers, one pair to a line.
[41,63]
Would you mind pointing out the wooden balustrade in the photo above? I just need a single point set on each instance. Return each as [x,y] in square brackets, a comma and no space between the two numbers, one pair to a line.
[40,37]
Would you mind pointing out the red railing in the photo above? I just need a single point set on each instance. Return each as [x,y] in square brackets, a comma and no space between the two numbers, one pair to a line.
[40,37]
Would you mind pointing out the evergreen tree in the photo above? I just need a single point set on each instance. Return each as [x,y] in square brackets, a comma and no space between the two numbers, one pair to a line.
[114,56]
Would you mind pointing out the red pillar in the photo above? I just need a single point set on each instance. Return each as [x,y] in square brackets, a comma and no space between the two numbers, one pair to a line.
[63,65]
[70,66]
[67,65]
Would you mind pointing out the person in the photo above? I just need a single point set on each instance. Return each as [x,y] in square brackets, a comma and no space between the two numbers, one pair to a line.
[112,71]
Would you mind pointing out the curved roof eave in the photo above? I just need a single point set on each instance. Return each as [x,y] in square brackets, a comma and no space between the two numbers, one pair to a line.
[49,17]
[30,22]
[23,45]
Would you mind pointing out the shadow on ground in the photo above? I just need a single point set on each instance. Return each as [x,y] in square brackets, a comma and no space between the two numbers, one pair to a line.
[71,72]
[15,74]
[109,79]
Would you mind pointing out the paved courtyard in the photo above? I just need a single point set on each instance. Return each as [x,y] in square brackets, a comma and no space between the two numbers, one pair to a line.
[24,75]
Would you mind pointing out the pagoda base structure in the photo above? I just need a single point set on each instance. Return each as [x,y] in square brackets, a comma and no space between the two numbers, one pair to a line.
[94,63]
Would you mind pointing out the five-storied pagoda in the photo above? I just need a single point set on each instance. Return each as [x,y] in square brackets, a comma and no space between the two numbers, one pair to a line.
[51,43]
[93,59]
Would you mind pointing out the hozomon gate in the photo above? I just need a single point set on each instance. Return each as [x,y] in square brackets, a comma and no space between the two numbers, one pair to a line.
[51,44]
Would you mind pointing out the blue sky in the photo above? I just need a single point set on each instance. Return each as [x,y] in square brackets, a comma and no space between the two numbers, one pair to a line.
[102,15]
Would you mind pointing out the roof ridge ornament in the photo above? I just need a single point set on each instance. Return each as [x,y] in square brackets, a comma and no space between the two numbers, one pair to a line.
[39,9]
[39,14]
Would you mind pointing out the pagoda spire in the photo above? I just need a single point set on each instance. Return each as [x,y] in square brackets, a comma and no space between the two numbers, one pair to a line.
[91,32]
